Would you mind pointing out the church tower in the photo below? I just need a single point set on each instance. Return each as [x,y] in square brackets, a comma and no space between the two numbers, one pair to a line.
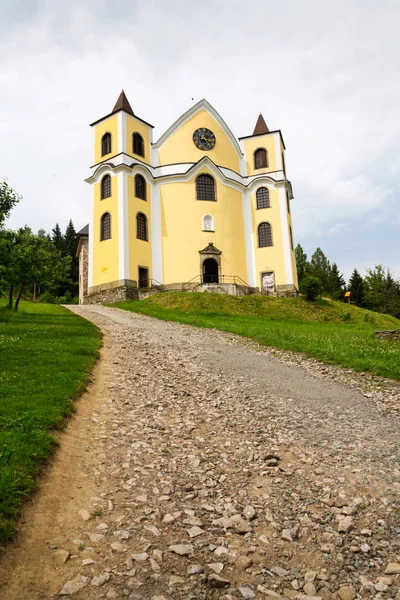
[120,198]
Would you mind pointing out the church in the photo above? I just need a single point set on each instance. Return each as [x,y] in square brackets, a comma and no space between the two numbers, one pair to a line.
[198,209]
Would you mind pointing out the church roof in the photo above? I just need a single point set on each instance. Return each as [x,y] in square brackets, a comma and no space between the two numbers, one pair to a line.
[84,231]
[122,104]
[261,126]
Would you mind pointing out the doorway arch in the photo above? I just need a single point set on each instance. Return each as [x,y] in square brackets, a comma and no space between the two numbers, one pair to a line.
[210,271]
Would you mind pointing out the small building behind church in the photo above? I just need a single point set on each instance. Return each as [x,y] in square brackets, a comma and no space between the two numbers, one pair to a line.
[199,209]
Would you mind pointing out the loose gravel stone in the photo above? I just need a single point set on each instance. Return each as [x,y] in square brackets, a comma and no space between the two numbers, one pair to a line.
[74,585]
[101,579]
[393,569]
[60,557]
[181,549]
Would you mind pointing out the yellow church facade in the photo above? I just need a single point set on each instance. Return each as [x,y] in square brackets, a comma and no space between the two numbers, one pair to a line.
[197,209]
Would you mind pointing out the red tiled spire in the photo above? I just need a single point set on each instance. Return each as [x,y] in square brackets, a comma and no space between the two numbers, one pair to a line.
[261,126]
[122,104]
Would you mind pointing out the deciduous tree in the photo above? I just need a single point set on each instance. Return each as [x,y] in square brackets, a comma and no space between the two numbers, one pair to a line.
[30,259]
[8,199]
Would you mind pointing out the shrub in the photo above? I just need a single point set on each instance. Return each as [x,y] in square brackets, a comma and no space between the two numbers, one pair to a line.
[310,287]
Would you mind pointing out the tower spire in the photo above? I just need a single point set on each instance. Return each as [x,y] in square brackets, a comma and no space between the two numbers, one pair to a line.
[122,104]
[261,126]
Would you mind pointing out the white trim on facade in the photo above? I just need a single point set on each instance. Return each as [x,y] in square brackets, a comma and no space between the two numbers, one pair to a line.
[122,131]
[91,239]
[249,239]
[123,226]
[156,233]
[278,152]
[178,171]
[287,258]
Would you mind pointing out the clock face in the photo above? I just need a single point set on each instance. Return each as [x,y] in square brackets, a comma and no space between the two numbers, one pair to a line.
[204,139]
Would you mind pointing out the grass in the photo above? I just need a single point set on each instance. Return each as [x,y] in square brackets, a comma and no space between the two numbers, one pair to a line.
[46,354]
[333,332]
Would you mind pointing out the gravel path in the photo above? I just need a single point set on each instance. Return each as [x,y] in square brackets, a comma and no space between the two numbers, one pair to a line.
[222,470]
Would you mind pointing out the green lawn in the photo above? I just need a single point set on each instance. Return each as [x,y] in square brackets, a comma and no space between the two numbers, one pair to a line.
[333,332]
[46,354]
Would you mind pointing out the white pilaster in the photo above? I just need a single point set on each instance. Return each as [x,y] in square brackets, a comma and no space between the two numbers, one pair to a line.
[91,238]
[121,132]
[278,152]
[287,259]
[156,233]
[249,239]
[123,225]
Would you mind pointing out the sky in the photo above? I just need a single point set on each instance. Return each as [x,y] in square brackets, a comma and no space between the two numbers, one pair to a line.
[325,73]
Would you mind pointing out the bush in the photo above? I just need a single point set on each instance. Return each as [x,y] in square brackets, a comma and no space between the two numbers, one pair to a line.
[310,287]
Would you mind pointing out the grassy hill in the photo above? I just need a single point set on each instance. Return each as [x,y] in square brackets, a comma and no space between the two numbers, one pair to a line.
[46,354]
[330,331]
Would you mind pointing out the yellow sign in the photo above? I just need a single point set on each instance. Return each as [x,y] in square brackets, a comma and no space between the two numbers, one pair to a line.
[347,294]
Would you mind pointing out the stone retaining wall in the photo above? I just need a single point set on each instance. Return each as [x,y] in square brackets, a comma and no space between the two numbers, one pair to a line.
[393,334]
[112,295]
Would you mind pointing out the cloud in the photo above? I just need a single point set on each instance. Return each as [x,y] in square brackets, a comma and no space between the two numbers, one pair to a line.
[324,74]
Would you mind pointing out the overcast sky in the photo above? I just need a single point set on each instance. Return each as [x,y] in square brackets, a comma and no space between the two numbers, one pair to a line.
[325,73]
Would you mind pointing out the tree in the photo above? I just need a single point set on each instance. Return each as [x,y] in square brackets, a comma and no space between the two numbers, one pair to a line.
[310,287]
[356,287]
[301,263]
[335,283]
[30,259]
[382,292]
[320,267]
[70,241]
[8,199]
[57,238]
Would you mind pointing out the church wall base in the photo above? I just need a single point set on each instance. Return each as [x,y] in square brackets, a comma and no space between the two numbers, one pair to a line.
[112,295]
[129,292]
[287,291]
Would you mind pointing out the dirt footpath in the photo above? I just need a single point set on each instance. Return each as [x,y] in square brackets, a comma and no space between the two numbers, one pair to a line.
[199,466]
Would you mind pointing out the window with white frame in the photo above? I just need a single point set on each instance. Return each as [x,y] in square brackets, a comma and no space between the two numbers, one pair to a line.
[208,223]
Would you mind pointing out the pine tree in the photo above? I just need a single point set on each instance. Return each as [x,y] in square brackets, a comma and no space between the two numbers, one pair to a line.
[58,239]
[356,287]
[70,241]
[320,267]
[301,263]
[336,283]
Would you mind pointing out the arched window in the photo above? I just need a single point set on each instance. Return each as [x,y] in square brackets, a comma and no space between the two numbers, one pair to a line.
[106,144]
[262,197]
[140,187]
[208,223]
[137,144]
[141,227]
[106,187]
[264,235]
[291,237]
[205,188]
[260,158]
[287,202]
[105,227]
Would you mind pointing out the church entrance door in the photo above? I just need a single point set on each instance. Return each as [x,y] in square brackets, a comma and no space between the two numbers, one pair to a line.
[210,271]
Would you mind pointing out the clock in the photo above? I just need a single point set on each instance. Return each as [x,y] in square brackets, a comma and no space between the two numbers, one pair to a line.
[204,139]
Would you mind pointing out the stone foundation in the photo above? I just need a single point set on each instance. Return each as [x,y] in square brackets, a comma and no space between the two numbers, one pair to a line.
[112,295]
[392,335]
[286,291]
[109,293]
